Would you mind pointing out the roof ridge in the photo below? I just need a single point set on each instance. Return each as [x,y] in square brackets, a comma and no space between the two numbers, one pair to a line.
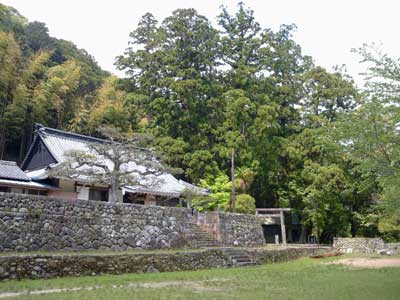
[48,130]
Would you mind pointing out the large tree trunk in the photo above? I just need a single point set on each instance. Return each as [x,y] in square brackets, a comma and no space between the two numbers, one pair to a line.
[303,235]
[115,195]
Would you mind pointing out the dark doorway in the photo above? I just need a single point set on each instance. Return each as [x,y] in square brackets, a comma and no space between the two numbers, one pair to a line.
[270,231]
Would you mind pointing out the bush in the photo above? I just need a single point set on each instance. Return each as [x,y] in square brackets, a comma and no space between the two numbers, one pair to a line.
[204,203]
[389,227]
[245,204]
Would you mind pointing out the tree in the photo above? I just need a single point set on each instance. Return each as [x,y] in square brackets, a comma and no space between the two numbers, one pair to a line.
[370,136]
[56,97]
[39,81]
[19,117]
[382,75]
[143,65]
[37,37]
[172,70]
[238,116]
[326,95]
[300,133]
[220,188]
[117,162]
[242,42]
[11,21]
[288,66]
[324,208]
[10,59]
[110,108]
[245,204]
[245,176]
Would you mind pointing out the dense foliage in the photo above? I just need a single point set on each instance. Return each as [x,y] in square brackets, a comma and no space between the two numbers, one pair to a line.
[42,79]
[304,137]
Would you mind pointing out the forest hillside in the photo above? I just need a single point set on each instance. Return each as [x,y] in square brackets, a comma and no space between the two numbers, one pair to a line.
[304,137]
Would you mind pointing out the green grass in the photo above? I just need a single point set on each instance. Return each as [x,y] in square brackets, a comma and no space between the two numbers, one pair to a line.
[301,279]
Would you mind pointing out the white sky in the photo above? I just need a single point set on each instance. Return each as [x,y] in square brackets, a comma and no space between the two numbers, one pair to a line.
[327,30]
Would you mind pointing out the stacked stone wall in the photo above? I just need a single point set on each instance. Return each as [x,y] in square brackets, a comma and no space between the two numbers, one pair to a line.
[31,223]
[393,248]
[358,245]
[241,229]
[262,256]
[233,229]
[56,265]
[34,223]
[47,266]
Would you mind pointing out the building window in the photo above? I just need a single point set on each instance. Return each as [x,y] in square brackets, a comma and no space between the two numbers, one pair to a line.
[17,190]
[37,192]
[98,195]
[4,189]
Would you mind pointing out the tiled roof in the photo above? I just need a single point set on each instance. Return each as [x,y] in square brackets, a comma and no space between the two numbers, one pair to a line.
[10,170]
[60,142]
[27,184]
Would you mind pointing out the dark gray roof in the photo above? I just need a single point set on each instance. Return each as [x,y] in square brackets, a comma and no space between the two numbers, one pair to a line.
[10,170]
[59,142]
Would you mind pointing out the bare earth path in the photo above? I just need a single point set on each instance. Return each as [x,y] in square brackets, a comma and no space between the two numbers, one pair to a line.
[368,262]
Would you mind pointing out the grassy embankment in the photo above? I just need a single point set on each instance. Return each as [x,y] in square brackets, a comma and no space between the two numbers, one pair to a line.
[300,279]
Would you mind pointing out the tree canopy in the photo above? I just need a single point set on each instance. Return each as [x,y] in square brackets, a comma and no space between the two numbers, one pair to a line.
[304,137]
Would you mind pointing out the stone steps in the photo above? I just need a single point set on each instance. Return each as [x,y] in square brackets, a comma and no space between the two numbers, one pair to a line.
[202,239]
[239,257]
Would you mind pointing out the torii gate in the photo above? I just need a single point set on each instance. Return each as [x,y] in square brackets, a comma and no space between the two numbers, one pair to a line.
[275,212]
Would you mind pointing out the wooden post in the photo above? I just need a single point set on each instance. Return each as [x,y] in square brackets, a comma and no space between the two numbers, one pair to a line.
[283,229]
[233,197]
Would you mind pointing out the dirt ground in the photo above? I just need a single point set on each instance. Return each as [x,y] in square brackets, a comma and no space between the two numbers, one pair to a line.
[368,262]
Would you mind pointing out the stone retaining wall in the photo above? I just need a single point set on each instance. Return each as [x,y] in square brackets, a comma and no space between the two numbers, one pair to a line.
[358,245]
[241,229]
[233,229]
[280,255]
[31,223]
[393,247]
[34,223]
[48,266]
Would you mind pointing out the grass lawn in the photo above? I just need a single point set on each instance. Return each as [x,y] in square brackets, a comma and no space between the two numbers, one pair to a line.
[301,279]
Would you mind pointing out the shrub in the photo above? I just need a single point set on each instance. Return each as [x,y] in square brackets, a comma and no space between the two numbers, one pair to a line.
[245,204]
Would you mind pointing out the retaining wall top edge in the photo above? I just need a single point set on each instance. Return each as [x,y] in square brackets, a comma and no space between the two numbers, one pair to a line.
[90,202]
[79,202]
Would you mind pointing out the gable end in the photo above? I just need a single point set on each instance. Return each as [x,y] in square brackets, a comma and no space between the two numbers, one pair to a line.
[38,156]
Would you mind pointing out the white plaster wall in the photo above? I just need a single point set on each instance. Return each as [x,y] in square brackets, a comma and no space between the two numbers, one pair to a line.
[63,195]
[83,192]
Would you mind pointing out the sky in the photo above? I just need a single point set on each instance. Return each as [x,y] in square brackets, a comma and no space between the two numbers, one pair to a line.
[327,29]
